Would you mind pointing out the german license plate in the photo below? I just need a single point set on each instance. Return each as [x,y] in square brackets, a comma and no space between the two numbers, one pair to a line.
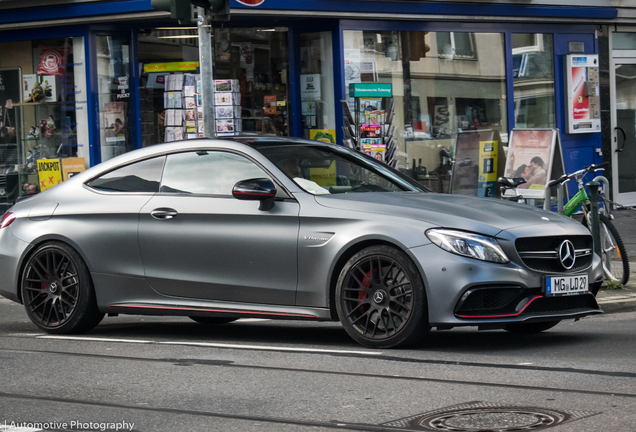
[566,285]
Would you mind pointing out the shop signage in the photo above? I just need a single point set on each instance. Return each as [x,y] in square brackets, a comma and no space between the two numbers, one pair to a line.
[310,87]
[50,173]
[171,67]
[72,166]
[370,90]
[251,2]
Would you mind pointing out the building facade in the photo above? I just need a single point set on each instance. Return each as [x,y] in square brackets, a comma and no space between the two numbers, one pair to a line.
[85,80]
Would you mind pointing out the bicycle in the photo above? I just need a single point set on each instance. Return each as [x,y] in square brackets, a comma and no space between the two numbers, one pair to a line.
[613,253]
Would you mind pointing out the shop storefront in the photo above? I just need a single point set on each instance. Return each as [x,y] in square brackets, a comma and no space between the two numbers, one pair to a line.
[125,76]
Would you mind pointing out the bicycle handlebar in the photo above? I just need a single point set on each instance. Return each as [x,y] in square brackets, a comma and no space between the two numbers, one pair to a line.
[567,177]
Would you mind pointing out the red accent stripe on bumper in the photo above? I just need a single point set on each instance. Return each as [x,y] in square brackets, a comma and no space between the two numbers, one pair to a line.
[501,316]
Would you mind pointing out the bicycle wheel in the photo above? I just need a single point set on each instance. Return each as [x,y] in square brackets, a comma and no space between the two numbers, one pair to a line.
[613,253]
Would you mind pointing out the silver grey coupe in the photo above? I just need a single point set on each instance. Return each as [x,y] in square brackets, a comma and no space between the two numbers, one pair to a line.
[218,230]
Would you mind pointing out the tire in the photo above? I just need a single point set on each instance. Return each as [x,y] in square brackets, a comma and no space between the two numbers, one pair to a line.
[57,290]
[529,328]
[212,320]
[380,299]
[613,252]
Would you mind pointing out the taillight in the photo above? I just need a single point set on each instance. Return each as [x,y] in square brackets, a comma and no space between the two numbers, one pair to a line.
[7,220]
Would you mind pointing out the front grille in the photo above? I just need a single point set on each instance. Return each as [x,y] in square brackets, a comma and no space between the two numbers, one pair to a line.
[562,304]
[3,181]
[541,253]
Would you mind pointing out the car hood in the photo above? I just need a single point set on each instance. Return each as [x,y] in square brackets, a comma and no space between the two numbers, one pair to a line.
[484,215]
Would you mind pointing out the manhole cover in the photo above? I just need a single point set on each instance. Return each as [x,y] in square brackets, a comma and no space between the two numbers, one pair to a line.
[488,417]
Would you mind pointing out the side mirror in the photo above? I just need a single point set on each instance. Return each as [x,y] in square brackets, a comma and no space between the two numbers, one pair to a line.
[259,189]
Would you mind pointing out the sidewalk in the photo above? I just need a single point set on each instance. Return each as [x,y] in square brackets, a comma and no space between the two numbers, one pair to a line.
[623,300]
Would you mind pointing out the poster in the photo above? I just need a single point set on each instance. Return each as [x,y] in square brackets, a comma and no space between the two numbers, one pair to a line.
[325,135]
[583,93]
[49,173]
[72,166]
[310,87]
[530,156]
[52,60]
[477,163]
[324,176]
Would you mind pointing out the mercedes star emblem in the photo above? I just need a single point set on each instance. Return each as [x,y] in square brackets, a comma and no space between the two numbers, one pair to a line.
[567,254]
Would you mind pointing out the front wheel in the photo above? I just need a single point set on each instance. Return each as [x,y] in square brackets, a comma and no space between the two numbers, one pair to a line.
[613,253]
[381,300]
[57,290]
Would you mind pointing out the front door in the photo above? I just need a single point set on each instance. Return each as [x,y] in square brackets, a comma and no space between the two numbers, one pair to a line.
[624,127]
[197,241]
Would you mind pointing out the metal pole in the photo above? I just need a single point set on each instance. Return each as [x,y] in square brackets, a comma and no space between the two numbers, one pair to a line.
[207,73]
[596,233]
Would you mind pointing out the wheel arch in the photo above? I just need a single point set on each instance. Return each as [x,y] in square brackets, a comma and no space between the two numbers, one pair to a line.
[352,249]
[33,247]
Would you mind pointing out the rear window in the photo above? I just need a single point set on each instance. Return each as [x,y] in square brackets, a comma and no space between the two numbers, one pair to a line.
[139,177]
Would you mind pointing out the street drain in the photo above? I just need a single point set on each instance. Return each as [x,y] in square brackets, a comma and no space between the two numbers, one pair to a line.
[488,417]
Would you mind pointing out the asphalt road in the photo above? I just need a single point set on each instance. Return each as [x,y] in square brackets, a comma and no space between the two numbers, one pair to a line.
[171,374]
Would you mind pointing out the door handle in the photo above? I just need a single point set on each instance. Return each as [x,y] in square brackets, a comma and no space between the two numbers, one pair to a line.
[624,139]
[163,213]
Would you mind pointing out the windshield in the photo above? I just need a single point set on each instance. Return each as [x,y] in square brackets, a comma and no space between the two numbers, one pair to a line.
[322,170]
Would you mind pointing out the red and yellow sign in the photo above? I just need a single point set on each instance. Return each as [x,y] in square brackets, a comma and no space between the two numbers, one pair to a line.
[49,173]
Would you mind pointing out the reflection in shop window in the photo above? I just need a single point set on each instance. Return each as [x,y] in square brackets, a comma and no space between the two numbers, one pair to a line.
[316,87]
[454,45]
[433,99]
[533,77]
[251,89]
[113,75]
[43,115]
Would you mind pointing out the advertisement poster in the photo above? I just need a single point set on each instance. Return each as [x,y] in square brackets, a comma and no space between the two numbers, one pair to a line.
[477,163]
[52,60]
[310,87]
[530,155]
[72,166]
[488,157]
[325,135]
[325,177]
[49,173]
[583,93]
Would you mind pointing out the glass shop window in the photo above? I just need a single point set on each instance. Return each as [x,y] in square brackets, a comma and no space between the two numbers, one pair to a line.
[43,115]
[446,86]
[250,83]
[113,74]
[316,87]
[533,77]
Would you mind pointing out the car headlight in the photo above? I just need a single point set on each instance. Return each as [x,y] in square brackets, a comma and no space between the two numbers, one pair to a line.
[468,244]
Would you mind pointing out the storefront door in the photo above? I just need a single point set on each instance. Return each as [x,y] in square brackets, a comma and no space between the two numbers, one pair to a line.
[624,127]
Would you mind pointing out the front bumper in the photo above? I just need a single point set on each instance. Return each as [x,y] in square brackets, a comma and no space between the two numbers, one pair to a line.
[468,292]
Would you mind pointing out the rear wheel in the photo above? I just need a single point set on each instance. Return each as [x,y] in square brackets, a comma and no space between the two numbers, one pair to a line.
[381,300]
[528,328]
[613,253]
[57,290]
[212,320]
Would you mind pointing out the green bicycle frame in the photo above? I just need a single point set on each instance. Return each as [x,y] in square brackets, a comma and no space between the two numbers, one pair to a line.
[574,203]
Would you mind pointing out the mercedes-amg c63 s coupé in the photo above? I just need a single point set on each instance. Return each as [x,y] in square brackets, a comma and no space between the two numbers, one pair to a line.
[219,230]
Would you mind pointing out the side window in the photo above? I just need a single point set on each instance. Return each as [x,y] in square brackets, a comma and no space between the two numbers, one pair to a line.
[143,176]
[207,172]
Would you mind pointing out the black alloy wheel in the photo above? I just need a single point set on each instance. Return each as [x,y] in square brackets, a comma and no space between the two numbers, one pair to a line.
[381,300]
[57,290]
[212,320]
